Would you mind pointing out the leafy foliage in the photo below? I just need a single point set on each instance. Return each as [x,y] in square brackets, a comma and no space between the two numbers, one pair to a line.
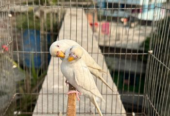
[42,2]
[26,98]
[159,39]
[160,36]
[29,21]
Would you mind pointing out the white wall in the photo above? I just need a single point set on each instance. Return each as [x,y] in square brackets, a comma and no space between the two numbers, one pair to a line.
[136,2]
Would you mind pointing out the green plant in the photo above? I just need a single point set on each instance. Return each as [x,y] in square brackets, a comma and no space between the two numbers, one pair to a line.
[27,88]
[29,21]
[40,2]
[32,84]
[160,37]
[51,24]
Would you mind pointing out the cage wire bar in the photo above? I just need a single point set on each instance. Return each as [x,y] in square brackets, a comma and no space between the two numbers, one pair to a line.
[7,85]
[157,78]
[130,39]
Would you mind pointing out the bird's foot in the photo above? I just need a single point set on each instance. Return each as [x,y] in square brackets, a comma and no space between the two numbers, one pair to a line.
[76,92]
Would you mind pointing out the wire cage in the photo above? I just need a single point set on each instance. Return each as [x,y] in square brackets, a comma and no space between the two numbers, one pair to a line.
[129,39]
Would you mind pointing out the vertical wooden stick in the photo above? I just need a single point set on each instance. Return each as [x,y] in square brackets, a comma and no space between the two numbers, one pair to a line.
[71,105]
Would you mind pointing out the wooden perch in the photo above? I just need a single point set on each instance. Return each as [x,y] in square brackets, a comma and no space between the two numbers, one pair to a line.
[71,105]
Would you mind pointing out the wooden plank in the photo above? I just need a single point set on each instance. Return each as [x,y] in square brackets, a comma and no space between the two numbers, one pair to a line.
[71,107]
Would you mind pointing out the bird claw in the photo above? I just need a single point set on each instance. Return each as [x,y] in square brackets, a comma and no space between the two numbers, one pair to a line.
[77,94]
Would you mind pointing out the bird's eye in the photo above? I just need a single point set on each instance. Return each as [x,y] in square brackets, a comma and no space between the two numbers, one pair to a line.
[58,46]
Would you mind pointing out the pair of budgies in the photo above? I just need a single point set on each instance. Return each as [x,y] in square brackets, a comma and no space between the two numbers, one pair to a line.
[78,66]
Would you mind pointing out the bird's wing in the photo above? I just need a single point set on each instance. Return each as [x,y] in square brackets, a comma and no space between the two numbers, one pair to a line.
[95,68]
[90,62]
[69,42]
[84,79]
[97,74]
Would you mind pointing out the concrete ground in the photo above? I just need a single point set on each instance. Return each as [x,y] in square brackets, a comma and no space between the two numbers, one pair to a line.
[52,98]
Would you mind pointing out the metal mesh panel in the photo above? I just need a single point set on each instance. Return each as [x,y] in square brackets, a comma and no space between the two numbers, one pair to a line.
[157,76]
[129,39]
[7,84]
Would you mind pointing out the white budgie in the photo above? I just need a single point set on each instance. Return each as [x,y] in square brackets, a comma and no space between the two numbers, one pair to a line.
[58,48]
[79,76]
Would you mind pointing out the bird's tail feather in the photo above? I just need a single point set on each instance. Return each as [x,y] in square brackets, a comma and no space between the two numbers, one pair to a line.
[103,71]
[98,75]
[99,69]
[105,83]
[96,105]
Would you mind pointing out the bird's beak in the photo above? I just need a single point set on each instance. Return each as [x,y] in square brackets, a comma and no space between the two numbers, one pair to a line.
[70,58]
[60,54]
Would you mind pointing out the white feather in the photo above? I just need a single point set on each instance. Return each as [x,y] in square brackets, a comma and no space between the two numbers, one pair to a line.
[79,76]
[94,68]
